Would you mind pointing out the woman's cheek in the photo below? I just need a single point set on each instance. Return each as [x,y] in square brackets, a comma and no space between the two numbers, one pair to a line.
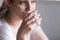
[22,7]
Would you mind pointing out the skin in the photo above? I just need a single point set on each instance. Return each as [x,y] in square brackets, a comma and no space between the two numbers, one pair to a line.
[21,19]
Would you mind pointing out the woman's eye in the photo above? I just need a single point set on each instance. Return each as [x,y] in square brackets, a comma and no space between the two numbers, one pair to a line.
[33,1]
[22,2]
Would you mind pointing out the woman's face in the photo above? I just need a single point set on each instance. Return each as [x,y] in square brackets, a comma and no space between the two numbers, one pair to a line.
[22,6]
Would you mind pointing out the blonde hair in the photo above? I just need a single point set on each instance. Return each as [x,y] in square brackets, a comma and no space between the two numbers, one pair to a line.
[4,10]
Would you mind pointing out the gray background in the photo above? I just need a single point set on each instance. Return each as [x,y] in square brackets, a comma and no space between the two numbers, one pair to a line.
[50,12]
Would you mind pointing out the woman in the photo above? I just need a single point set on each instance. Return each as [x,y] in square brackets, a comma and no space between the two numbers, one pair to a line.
[19,20]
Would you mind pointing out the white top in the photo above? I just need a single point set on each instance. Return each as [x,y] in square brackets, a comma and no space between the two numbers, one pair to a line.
[7,34]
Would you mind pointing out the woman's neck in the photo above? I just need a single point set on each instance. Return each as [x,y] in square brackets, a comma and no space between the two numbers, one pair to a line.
[14,22]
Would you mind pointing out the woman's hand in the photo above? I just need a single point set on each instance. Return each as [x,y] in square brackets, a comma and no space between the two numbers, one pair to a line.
[30,21]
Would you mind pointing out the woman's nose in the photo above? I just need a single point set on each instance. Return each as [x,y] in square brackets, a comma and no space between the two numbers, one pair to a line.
[27,7]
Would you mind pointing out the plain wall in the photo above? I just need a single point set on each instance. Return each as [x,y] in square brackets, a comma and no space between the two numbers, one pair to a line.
[50,12]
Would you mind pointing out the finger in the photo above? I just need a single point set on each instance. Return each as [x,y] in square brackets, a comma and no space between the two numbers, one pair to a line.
[40,19]
[27,19]
[30,14]
[32,25]
[28,29]
[31,20]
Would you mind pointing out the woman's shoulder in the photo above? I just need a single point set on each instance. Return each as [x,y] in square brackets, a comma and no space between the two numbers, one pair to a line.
[5,31]
[3,25]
